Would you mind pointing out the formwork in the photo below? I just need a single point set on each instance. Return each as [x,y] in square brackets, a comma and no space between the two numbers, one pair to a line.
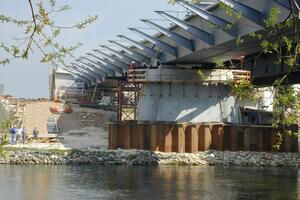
[194,137]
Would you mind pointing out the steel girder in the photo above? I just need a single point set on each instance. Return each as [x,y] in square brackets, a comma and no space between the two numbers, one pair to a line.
[121,55]
[211,18]
[148,51]
[162,45]
[94,68]
[248,12]
[100,65]
[86,66]
[78,76]
[197,32]
[136,55]
[183,41]
[84,75]
[87,71]
[107,63]
[119,62]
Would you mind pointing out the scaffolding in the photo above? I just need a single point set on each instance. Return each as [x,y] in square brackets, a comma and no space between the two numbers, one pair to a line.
[128,93]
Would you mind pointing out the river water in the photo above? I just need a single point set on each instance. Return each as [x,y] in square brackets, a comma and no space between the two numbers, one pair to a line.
[168,182]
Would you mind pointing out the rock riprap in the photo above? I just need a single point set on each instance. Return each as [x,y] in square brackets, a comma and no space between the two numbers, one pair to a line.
[139,157]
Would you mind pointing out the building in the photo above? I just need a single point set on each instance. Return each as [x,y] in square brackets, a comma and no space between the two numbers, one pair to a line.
[63,85]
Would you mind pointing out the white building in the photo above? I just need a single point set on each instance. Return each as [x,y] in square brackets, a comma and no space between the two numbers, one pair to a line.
[62,83]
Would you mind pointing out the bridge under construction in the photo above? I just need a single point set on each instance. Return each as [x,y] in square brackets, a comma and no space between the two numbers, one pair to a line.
[169,90]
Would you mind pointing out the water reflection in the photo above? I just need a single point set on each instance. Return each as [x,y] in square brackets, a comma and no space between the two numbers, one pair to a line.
[120,182]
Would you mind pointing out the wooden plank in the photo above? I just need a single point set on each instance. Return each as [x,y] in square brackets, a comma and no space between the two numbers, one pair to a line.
[146,136]
[188,139]
[220,140]
[207,137]
[175,138]
[194,139]
[153,138]
[226,138]
[133,135]
[247,139]
[273,139]
[140,136]
[168,139]
[260,144]
[201,137]
[214,133]
[253,139]
[161,134]
[181,139]
[287,143]
[267,140]
[217,137]
[240,139]
[126,136]
[233,141]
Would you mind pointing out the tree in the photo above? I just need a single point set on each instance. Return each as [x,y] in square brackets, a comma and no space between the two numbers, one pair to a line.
[40,33]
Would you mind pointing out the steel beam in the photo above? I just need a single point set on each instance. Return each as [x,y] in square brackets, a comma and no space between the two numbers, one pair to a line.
[121,55]
[163,45]
[138,56]
[82,78]
[211,18]
[118,62]
[180,40]
[250,13]
[107,63]
[284,3]
[83,74]
[149,51]
[100,65]
[197,32]
[93,68]
[88,71]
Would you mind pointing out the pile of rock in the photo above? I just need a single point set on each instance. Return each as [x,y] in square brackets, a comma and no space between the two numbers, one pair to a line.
[139,157]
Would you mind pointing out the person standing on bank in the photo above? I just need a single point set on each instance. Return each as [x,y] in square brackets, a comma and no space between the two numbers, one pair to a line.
[23,135]
[19,135]
[13,132]
[35,132]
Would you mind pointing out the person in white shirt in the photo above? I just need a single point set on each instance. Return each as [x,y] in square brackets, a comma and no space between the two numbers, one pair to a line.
[19,135]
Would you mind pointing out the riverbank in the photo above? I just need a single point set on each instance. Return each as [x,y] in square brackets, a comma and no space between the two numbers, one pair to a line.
[138,157]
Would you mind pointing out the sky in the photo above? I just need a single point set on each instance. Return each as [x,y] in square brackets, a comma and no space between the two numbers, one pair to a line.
[29,78]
